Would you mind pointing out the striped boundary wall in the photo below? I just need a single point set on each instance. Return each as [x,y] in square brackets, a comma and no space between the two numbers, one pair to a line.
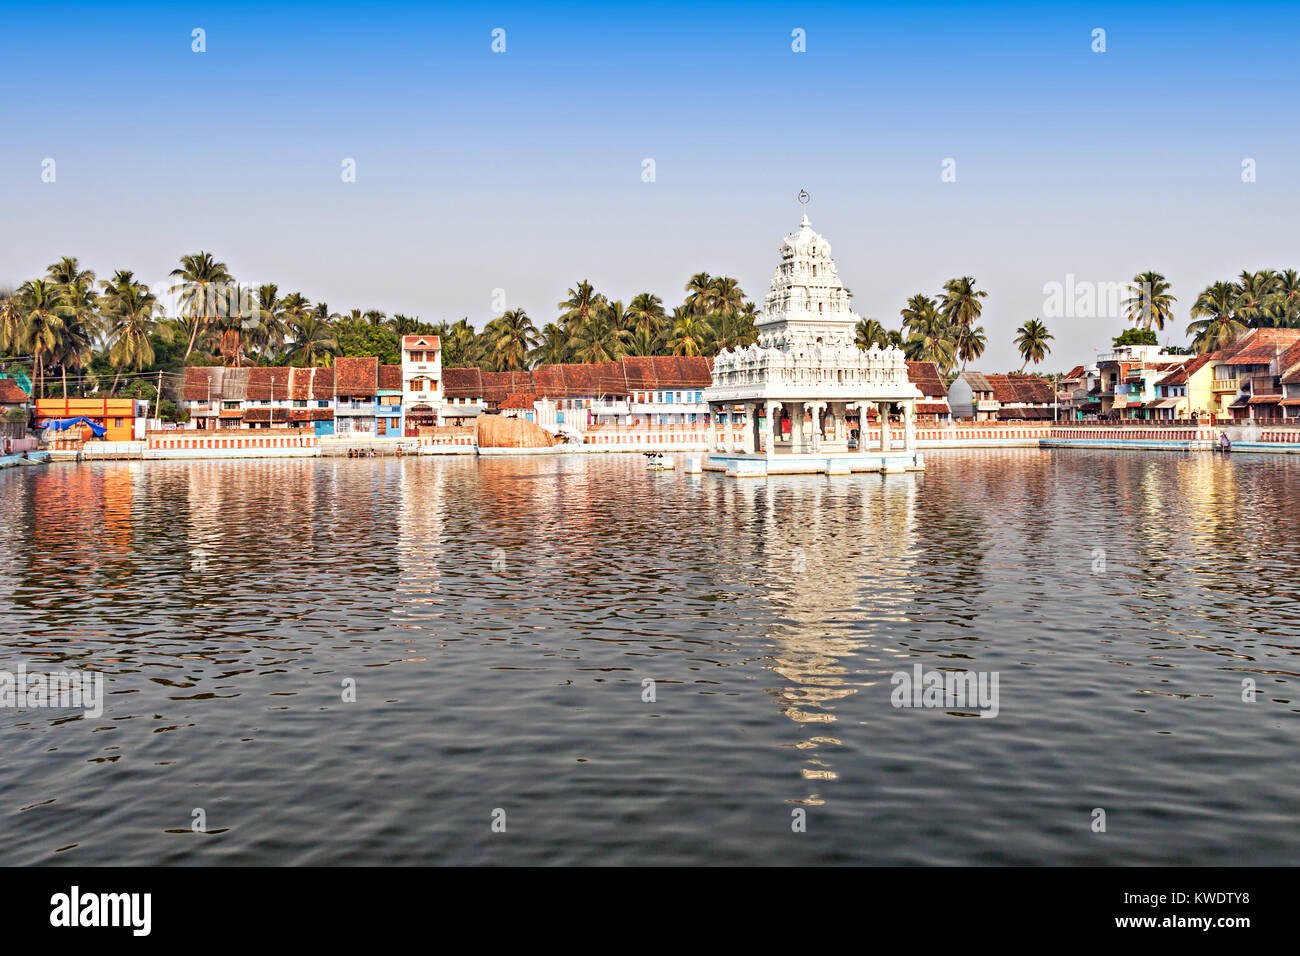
[172,441]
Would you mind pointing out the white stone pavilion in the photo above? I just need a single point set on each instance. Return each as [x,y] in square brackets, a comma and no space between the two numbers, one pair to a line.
[797,387]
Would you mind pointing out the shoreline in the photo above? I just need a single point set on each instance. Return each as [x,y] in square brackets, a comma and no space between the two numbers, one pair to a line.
[1045,444]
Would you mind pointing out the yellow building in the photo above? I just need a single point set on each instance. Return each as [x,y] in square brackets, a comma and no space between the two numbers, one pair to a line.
[118,415]
[1187,390]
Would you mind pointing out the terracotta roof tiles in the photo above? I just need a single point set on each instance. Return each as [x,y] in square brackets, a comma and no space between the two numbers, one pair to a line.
[1180,375]
[421,342]
[357,376]
[926,377]
[462,383]
[322,383]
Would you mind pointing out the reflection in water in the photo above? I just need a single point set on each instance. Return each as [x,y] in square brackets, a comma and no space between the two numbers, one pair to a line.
[500,619]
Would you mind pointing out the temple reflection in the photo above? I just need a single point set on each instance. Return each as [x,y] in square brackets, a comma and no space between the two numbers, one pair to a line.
[830,594]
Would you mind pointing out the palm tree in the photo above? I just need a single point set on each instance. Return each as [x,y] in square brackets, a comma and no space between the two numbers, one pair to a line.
[970,342]
[930,337]
[294,307]
[511,337]
[729,330]
[697,293]
[961,309]
[724,295]
[600,338]
[869,332]
[130,323]
[10,322]
[81,319]
[644,342]
[1149,303]
[1215,322]
[690,334]
[554,346]
[1031,341]
[582,303]
[1288,291]
[234,315]
[462,348]
[1259,300]
[404,324]
[311,341]
[201,279]
[617,315]
[646,314]
[42,320]
[269,328]
[917,306]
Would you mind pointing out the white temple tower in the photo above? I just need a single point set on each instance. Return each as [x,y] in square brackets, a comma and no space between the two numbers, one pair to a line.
[798,384]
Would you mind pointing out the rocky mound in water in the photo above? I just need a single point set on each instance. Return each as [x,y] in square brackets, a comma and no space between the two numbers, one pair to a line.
[493,431]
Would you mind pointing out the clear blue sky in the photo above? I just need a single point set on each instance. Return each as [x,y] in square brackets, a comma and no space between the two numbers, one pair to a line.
[523,170]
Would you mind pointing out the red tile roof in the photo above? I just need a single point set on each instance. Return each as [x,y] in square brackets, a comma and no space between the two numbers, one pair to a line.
[926,377]
[11,393]
[300,383]
[462,383]
[1261,346]
[1032,389]
[390,378]
[639,372]
[1003,390]
[519,400]
[322,383]
[421,342]
[357,376]
[1290,358]
[580,379]
[548,381]
[1180,375]
[202,384]
[1077,372]
[268,382]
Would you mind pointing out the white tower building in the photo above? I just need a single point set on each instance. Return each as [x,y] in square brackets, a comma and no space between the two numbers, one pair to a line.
[798,383]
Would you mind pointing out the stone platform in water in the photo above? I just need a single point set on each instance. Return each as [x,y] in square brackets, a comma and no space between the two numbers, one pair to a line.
[738,465]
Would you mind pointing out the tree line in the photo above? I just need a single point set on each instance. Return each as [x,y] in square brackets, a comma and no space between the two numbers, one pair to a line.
[110,332]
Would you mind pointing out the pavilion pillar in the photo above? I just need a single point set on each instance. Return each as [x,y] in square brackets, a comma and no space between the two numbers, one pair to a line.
[796,428]
[816,408]
[770,427]
[882,409]
[909,427]
[750,444]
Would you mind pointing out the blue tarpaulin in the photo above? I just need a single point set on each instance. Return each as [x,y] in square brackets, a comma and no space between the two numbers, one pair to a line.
[59,424]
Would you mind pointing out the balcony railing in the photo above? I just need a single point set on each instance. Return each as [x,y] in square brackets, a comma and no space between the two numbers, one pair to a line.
[1224,385]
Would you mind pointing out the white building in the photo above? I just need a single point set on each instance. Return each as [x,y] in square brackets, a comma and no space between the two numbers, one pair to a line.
[421,382]
[805,378]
